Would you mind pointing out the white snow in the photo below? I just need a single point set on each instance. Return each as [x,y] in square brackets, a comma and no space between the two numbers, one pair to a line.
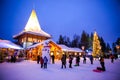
[30,70]
[75,50]
[65,48]
[40,33]
[9,44]
[41,43]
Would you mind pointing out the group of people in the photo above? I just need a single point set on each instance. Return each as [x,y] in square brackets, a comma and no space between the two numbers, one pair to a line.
[12,58]
[63,60]
[77,59]
[42,61]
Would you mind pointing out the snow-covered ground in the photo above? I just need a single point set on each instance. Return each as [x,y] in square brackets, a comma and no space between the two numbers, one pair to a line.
[30,70]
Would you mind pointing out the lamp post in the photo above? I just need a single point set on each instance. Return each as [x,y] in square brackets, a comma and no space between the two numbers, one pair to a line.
[83,48]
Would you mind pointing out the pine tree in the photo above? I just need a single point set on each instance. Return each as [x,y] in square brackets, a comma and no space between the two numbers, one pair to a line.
[84,40]
[90,41]
[118,41]
[61,40]
[103,45]
[96,45]
[66,41]
[108,48]
[114,48]
[75,41]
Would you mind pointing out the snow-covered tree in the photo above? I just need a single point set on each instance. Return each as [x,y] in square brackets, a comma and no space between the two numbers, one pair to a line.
[96,45]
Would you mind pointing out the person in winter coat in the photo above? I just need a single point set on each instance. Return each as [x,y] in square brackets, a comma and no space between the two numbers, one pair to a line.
[112,58]
[41,62]
[77,60]
[38,59]
[102,64]
[91,59]
[70,61]
[84,59]
[63,60]
[53,57]
[45,62]
[12,58]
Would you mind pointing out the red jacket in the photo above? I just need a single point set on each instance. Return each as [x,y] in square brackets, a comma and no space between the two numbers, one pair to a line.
[41,60]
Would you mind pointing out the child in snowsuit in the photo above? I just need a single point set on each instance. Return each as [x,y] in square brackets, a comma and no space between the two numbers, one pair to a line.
[45,62]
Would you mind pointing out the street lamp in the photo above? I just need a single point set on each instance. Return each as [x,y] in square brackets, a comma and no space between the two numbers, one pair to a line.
[83,52]
[83,47]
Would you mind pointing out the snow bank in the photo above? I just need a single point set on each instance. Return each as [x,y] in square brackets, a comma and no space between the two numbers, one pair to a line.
[30,70]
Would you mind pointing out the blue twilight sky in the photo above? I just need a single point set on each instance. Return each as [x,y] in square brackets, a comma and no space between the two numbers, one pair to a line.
[66,17]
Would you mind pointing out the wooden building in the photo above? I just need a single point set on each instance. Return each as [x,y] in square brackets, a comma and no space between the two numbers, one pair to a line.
[35,50]
[33,37]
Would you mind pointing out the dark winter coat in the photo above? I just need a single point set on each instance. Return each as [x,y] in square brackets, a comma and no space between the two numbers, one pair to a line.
[45,59]
[63,59]
[91,58]
[70,59]
[38,58]
[112,57]
[77,59]
[102,63]
[84,57]
[53,57]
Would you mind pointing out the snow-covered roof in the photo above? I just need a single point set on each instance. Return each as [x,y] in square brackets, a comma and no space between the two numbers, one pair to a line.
[75,50]
[33,27]
[9,44]
[41,33]
[65,48]
[42,43]
[33,46]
